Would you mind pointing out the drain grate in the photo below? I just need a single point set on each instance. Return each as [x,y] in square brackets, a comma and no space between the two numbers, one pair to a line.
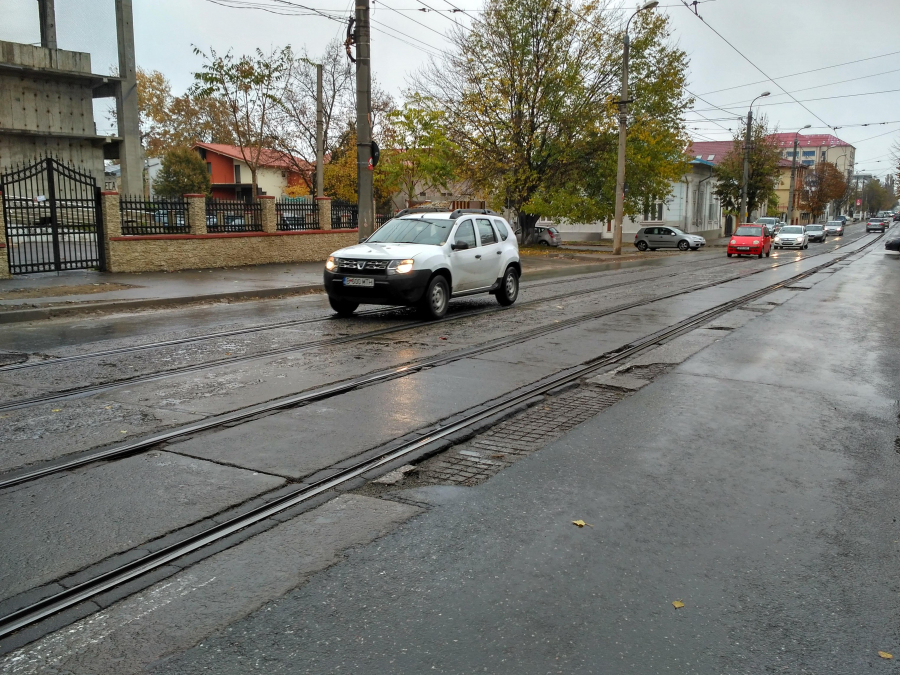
[648,372]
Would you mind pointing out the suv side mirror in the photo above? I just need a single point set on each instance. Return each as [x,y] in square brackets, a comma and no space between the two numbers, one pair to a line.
[459,246]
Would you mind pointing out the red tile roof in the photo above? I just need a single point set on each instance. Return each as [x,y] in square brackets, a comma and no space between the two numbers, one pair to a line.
[709,151]
[808,140]
[269,158]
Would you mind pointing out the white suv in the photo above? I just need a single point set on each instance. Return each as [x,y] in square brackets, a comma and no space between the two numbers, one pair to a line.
[423,258]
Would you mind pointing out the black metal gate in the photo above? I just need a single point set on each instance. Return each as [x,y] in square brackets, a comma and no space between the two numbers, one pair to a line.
[52,216]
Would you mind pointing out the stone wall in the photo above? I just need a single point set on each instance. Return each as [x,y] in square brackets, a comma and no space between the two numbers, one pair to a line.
[187,251]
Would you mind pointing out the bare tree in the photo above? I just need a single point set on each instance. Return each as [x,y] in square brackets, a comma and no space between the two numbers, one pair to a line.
[823,184]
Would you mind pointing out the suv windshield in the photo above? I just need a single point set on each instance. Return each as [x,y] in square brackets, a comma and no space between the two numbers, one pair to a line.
[792,229]
[745,231]
[413,231]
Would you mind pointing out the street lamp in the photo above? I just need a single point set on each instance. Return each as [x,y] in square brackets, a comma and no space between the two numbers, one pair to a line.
[793,174]
[742,215]
[623,119]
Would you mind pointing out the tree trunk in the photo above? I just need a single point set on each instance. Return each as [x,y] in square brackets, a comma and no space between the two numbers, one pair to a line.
[253,188]
[526,225]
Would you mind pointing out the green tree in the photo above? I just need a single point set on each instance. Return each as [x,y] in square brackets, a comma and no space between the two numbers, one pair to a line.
[764,173]
[528,98]
[876,197]
[182,172]
[340,174]
[250,87]
[417,156]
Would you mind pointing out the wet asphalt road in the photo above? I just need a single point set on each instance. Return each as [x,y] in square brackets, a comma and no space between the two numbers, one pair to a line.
[194,479]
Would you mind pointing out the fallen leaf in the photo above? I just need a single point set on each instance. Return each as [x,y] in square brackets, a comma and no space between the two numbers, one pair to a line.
[581,523]
[677,604]
[56,410]
[124,432]
[443,338]
[885,655]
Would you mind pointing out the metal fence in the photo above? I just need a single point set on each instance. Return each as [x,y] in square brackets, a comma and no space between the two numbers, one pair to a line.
[233,216]
[296,215]
[344,215]
[154,216]
[381,219]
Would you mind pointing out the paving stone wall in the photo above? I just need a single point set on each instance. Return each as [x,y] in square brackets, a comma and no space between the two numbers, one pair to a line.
[187,252]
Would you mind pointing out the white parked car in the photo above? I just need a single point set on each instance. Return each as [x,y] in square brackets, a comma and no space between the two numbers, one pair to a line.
[792,236]
[422,258]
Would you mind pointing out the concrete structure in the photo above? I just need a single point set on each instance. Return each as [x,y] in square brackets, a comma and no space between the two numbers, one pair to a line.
[230,174]
[815,148]
[47,106]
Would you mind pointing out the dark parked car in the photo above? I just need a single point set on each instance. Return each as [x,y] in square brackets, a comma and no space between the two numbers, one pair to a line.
[892,245]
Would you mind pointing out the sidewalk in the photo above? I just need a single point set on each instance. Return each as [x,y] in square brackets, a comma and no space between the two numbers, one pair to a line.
[49,295]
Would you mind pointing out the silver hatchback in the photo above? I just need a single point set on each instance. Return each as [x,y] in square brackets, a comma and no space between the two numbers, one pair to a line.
[666,237]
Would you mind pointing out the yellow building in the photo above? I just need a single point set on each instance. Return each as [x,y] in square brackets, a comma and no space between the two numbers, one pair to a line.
[783,188]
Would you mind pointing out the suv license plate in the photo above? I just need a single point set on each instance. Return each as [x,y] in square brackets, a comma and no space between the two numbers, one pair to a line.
[357,281]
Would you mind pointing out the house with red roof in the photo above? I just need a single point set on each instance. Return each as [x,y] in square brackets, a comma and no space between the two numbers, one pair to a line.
[231,179]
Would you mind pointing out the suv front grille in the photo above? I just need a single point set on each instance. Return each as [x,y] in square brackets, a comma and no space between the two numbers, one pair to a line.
[364,266]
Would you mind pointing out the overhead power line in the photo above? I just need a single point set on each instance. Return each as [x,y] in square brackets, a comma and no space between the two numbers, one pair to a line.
[747,59]
[809,100]
[803,72]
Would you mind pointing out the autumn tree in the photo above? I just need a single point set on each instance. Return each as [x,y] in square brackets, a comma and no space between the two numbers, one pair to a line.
[341,177]
[822,184]
[528,101]
[417,155]
[250,86]
[876,197]
[763,175]
[182,172]
[168,121]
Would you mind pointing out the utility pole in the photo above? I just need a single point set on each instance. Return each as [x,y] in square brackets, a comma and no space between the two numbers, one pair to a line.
[365,189]
[623,121]
[131,158]
[320,136]
[793,176]
[742,214]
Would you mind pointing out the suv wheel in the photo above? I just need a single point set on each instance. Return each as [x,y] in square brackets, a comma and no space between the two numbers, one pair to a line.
[433,304]
[342,307]
[642,246]
[509,287]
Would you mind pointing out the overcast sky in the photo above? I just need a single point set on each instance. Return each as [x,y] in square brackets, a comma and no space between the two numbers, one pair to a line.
[780,37]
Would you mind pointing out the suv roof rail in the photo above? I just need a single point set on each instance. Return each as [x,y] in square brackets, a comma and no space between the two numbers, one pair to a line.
[485,212]
[417,209]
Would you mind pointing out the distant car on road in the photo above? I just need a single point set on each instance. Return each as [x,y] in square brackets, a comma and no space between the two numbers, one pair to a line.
[752,239]
[666,237]
[834,228]
[887,215]
[422,258]
[876,225]
[817,232]
[547,236]
[768,221]
[792,236]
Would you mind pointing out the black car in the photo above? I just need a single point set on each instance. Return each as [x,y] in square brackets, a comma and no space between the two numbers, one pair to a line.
[892,245]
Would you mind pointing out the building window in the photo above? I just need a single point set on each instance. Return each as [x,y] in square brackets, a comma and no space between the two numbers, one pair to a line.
[653,211]
[809,153]
[712,210]
[808,162]
[237,173]
[209,168]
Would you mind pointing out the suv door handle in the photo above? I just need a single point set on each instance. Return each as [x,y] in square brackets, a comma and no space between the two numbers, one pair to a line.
[499,252]
[478,256]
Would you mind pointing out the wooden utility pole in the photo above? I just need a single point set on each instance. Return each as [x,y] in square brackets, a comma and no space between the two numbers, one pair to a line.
[365,188]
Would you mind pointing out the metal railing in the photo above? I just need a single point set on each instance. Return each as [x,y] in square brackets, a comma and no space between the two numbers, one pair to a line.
[344,215]
[296,215]
[154,216]
[233,216]
[381,219]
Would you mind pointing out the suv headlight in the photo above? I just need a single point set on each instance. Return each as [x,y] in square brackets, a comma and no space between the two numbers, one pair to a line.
[332,263]
[401,266]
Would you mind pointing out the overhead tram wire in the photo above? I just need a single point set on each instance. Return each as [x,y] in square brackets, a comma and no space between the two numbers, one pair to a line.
[383,4]
[803,72]
[809,100]
[747,59]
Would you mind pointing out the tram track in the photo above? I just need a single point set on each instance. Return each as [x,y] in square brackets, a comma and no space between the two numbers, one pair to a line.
[414,448]
[79,392]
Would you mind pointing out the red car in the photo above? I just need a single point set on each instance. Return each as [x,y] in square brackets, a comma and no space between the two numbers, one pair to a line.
[751,239]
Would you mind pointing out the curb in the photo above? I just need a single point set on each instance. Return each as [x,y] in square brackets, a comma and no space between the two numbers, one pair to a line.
[17,316]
